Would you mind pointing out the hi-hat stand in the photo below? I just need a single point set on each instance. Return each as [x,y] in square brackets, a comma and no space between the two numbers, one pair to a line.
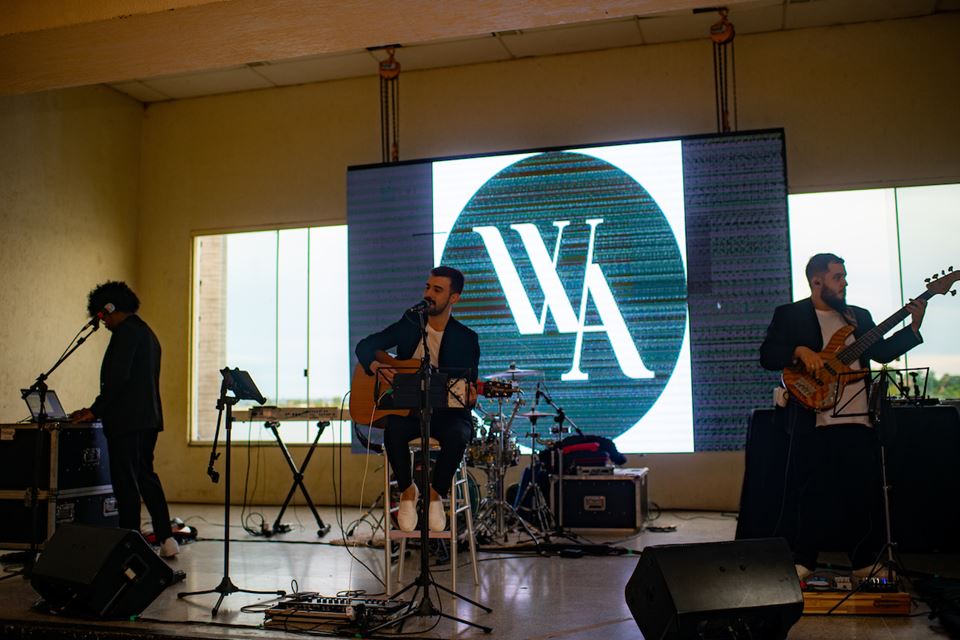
[242,385]
[424,607]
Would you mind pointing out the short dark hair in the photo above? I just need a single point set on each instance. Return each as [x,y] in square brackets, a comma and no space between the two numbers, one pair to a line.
[820,264]
[112,292]
[456,277]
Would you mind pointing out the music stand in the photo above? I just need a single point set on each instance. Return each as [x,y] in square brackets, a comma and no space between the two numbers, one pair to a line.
[878,410]
[423,582]
[243,388]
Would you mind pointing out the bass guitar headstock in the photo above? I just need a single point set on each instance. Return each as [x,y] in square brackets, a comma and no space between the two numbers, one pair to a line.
[941,282]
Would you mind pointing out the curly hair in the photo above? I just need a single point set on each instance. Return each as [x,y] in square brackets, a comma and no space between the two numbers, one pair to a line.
[112,292]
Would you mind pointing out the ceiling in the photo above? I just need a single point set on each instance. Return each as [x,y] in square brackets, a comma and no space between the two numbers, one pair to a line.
[290,42]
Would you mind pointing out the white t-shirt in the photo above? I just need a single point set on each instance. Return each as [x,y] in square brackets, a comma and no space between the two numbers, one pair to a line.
[854,397]
[434,338]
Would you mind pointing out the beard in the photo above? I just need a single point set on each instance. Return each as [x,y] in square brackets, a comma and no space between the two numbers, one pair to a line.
[434,309]
[835,301]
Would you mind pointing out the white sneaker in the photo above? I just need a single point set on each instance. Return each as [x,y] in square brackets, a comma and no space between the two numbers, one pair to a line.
[169,548]
[802,572]
[407,513]
[438,515]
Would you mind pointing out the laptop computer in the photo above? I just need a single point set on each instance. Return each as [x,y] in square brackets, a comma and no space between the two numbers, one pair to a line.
[54,409]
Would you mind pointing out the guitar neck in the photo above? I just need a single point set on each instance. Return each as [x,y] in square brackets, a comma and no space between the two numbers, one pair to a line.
[856,350]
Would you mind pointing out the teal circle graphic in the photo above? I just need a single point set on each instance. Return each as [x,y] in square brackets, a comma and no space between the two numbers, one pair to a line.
[635,252]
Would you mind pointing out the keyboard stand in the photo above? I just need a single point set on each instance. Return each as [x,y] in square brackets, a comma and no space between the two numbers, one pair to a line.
[322,529]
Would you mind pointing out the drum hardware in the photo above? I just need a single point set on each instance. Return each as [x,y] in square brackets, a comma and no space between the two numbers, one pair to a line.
[514,373]
[536,414]
[495,450]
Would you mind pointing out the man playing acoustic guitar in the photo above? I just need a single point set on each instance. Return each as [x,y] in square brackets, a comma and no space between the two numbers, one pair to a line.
[454,348]
[833,482]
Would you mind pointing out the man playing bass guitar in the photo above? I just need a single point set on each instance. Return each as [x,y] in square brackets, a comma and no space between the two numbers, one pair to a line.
[452,347]
[833,485]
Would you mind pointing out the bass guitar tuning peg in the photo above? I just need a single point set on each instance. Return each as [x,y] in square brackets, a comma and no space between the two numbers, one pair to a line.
[954,292]
[926,280]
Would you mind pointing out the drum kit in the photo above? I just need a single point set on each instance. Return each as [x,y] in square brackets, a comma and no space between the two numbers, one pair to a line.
[494,449]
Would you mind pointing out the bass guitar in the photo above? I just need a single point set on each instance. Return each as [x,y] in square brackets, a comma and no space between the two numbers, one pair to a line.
[365,390]
[821,391]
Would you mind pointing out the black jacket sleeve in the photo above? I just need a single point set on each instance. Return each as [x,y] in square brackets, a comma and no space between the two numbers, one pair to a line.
[396,335]
[884,351]
[776,352]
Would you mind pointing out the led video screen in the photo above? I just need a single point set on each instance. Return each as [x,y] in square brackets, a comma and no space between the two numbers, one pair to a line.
[636,278]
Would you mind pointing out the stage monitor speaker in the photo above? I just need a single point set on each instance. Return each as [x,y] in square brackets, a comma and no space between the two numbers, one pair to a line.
[100,572]
[748,588]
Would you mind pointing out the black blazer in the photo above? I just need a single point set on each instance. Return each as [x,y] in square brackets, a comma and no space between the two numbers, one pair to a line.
[459,348]
[796,324]
[129,397]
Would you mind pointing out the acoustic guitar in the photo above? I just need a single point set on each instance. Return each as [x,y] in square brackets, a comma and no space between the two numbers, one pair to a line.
[365,388]
[821,391]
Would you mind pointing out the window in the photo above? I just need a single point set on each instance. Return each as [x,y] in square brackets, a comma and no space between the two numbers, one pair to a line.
[891,240]
[273,303]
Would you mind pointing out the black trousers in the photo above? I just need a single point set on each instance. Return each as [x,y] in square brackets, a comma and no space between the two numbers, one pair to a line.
[452,428]
[133,477]
[839,494]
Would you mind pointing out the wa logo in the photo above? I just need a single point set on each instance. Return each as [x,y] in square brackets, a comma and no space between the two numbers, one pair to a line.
[555,299]
[573,269]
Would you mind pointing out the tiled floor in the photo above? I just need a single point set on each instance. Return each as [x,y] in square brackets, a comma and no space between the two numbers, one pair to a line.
[532,597]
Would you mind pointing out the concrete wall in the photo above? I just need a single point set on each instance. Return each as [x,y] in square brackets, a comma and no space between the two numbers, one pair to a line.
[862,105]
[69,185]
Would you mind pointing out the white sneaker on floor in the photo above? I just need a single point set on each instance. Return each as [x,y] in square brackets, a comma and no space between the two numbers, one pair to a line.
[438,515]
[169,548]
[407,513]
[802,572]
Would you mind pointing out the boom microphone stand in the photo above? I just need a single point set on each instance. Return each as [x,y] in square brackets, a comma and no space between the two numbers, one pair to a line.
[423,582]
[40,388]
[560,430]
[243,388]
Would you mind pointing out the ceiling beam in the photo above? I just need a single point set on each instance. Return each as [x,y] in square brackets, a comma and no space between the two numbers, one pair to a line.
[42,50]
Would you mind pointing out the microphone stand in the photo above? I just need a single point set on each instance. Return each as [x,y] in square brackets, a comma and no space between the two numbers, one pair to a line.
[425,607]
[232,381]
[40,387]
[560,430]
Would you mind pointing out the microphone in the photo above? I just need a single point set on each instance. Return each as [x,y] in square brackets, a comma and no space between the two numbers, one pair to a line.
[95,320]
[420,307]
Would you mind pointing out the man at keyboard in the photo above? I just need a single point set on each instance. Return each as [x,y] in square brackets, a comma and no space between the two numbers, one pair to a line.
[453,347]
[129,408]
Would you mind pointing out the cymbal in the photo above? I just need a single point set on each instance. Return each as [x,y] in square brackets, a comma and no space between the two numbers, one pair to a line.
[513,373]
[537,414]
